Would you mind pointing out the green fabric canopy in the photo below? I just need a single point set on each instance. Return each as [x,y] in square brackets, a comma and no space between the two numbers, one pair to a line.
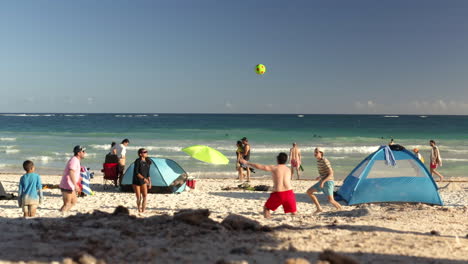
[206,154]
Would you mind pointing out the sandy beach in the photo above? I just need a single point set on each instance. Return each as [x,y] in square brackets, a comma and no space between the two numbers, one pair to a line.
[376,233]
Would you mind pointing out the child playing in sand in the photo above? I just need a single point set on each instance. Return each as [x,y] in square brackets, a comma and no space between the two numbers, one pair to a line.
[282,191]
[30,190]
[325,183]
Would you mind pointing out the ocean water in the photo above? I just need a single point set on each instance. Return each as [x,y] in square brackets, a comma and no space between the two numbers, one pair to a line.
[48,139]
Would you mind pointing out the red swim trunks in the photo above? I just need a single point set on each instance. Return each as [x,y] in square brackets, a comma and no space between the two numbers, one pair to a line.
[294,163]
[433,165]
[286,198]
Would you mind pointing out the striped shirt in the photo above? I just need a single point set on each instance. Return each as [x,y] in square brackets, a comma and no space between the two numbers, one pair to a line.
[324,168]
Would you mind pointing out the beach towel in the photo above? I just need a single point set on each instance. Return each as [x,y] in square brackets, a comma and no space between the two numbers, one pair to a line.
[389,158]
[85,180]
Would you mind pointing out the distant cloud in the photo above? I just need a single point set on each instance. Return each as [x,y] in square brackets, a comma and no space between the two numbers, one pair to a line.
[439,106]
[30,99]
[366,106]
[228,105]
[90,100]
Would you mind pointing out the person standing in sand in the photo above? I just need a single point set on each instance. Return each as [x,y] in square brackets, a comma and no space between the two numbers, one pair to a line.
[239,151]
[325,182]
[418,155]
[29,190]
[282,191]
[246,155]
[141,182]
[121,151]
[436,160]
[70,179]
[296,160]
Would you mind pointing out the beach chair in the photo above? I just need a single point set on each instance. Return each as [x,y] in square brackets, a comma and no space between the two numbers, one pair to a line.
[111,173]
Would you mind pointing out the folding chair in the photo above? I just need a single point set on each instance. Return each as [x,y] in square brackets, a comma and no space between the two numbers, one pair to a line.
[111,173]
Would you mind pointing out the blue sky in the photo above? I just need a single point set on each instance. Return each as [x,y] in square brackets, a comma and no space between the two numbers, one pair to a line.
[392,57]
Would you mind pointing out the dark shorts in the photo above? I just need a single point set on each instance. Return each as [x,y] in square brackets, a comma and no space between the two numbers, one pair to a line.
[66,190]
[138,181]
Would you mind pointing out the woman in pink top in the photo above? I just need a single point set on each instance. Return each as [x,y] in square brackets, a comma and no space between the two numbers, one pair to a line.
[71,178]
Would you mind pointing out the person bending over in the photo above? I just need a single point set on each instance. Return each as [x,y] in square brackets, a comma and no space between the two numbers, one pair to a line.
[282,191]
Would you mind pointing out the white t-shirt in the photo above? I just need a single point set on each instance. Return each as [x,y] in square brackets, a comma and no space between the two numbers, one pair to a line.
[121,150]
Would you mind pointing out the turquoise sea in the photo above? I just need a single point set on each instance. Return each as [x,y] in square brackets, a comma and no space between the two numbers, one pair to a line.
[48,139]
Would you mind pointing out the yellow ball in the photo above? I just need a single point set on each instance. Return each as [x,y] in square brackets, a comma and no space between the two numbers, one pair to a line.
[260,69]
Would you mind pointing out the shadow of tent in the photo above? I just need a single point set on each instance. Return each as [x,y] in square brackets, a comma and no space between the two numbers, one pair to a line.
[243,195]
[351,213]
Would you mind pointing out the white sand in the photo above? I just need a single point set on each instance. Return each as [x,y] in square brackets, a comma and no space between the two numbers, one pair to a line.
[369,233]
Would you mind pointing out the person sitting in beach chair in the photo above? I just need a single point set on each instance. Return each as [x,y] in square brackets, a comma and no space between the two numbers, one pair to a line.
[111,174]
[282,191]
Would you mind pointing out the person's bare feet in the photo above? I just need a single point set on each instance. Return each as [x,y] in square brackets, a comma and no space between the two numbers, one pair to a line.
[318,211]
[266,213]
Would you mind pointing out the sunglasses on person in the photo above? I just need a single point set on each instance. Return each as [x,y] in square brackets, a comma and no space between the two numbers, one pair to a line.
[144,151]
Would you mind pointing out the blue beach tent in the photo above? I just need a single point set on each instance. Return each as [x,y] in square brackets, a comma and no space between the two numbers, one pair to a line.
[166,177]
[374,181]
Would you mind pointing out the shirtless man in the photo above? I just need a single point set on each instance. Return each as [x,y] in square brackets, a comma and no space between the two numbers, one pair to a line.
[436,160]
[296,160]
[282,191]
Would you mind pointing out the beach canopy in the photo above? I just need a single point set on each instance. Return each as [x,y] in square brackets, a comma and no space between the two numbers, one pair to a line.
[166,177]
[206,154]
[376,180]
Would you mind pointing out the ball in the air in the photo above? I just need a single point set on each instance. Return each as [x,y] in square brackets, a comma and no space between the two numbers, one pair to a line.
[260,69]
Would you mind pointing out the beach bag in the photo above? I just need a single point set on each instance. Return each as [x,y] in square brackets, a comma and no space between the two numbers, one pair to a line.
[191,183]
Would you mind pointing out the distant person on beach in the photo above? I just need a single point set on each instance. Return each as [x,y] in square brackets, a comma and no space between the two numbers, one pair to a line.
[282,191]
[121,151]
[418,155]
[141,178]
[69,185]
[239,151]
[296,160]
[111,157]
[246,155]
[325,182]
[113,150]
[30,190]
[436,159]
[391,142]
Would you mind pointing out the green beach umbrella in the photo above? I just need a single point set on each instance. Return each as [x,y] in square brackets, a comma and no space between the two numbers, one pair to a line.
[206,154]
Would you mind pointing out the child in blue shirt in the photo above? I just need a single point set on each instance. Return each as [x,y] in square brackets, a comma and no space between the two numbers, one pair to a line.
[30,190]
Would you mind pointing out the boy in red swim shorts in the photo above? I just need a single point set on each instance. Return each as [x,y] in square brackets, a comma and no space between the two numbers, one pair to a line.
[282,192]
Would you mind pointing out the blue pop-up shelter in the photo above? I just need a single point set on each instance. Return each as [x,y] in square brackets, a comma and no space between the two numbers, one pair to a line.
[166,177]
[375,181]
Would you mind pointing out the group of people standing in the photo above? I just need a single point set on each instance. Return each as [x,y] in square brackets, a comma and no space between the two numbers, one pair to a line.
[117,154]
[141,181]
[30,186]
[282,175]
